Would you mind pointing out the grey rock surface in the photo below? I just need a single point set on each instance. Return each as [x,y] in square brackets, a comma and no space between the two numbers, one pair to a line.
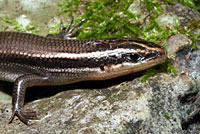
[128,107]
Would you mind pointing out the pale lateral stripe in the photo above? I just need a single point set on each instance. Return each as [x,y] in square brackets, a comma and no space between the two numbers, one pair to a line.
[96,69]
[96,54]
[146,46]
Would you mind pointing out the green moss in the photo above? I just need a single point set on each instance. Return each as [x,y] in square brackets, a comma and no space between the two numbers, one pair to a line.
[19,27]
[69,6]
[167,66]
[167,115]
[191,4]
[108,18]
[189,31]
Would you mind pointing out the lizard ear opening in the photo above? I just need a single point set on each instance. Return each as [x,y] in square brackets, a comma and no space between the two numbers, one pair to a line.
[102,67]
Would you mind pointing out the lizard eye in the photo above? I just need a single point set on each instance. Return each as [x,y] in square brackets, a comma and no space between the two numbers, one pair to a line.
[134,57]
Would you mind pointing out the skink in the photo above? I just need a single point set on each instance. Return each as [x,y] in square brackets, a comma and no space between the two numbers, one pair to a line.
[32,60]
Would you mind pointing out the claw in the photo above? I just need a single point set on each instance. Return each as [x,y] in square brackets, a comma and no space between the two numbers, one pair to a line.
[23,116]
[76,25]
[69,25]
[70,31]
[67,32]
